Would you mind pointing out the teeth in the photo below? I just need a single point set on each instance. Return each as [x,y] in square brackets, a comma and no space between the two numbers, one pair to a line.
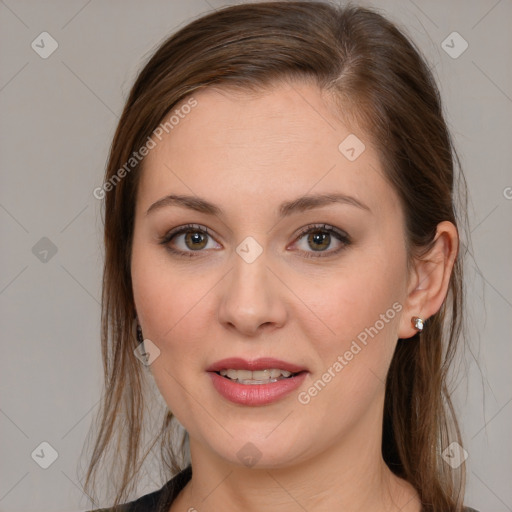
[256,377]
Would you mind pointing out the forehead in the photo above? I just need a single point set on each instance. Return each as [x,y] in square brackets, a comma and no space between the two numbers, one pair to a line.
[278,143]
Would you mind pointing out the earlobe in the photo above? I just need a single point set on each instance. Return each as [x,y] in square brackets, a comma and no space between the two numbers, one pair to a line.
[431,279]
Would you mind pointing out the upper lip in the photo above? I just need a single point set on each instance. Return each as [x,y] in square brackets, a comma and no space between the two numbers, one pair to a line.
[263,363]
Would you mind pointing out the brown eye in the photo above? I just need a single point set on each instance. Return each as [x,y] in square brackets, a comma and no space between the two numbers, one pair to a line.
[320,238]
[186,240]
[195,240]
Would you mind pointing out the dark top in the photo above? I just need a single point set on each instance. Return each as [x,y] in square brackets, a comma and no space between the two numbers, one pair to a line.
[161,500]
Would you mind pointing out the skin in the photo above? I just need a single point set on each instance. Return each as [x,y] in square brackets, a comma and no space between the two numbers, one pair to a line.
[247,153]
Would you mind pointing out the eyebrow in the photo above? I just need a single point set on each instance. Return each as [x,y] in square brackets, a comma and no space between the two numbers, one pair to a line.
[286,208]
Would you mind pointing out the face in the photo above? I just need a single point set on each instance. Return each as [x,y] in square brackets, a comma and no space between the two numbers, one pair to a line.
[319,286]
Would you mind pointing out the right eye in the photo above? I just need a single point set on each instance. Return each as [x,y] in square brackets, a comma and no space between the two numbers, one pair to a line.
[191,238]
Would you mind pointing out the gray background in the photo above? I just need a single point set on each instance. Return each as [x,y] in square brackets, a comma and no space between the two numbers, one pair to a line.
[58,116]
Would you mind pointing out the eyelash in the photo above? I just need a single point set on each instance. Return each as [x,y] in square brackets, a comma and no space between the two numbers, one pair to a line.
[340,235]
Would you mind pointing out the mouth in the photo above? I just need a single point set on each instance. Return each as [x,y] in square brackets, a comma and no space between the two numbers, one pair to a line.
[238,368]
[266,376]
[257,382]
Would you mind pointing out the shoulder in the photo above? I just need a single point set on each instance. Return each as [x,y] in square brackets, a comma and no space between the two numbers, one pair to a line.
[141,503]
[158,500]
[145,503]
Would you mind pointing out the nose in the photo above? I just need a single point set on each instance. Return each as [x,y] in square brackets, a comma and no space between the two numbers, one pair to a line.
[252,298]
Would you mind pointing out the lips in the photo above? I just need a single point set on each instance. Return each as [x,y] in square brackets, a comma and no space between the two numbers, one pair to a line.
[252,395]
[263,363]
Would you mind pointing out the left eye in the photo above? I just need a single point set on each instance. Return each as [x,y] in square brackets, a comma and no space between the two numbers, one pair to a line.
[320,237]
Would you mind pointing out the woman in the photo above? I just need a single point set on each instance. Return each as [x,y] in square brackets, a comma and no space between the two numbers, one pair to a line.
[280,229]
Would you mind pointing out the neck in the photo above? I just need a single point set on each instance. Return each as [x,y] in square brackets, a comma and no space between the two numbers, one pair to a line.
[349,476]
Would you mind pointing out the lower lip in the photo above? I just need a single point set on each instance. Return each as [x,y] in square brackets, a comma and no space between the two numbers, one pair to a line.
[255,394]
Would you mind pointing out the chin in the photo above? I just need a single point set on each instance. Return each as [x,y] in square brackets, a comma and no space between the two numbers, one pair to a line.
[260,453]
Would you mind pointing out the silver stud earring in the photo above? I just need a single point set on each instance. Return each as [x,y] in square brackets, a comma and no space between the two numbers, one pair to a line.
[418,323]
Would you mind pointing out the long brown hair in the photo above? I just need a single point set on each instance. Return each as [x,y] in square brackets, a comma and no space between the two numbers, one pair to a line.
[383,85]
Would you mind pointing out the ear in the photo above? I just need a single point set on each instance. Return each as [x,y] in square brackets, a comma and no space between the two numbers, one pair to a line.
[429,278]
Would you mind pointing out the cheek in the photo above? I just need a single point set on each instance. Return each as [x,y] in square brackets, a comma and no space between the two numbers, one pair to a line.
[360,308]
[352,364]
[170,304]
[169,308]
